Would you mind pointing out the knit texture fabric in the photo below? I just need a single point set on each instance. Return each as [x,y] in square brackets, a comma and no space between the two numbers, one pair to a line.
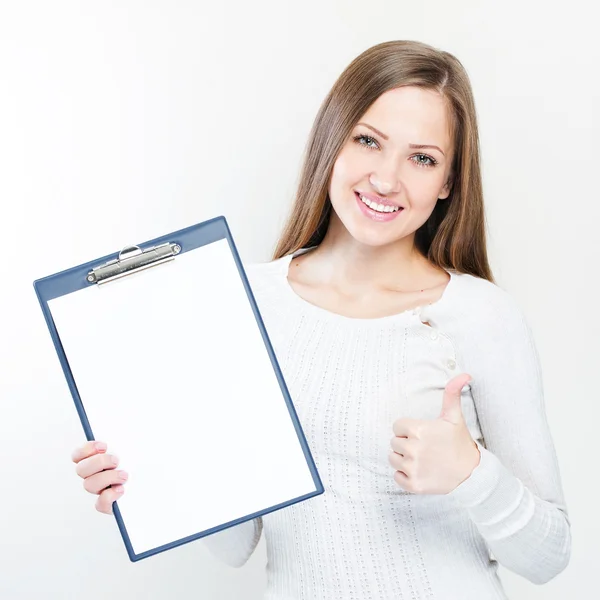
[366,538]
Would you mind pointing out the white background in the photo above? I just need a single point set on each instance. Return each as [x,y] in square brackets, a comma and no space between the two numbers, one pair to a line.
[122,121]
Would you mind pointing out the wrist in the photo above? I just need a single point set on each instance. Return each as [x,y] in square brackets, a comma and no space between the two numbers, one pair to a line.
[474,463]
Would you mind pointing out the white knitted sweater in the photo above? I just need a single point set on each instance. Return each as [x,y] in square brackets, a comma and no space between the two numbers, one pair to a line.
[365,538]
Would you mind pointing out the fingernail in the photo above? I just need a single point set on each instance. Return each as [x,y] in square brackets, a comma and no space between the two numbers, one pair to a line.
[123,475]
[114,460]
[120,490]
[100,446]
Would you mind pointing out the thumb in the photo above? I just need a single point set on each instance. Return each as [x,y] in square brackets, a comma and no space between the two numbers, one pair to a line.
[451,408]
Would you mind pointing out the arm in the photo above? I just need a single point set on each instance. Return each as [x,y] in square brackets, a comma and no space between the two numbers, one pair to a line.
[514,496]
[235,545]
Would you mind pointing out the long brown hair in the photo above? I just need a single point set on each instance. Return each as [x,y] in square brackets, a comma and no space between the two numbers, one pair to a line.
[454,235]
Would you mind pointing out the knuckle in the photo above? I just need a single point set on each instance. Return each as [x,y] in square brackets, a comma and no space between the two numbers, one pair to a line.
[87,486]
[82,452]
[102,504]
[83,467]
[398,480]
[101,509]
[78,454]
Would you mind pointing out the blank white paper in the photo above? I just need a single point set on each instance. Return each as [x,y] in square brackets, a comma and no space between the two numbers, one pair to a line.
[174,376]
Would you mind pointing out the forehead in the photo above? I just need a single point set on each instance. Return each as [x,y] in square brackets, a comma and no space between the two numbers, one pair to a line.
[411,115]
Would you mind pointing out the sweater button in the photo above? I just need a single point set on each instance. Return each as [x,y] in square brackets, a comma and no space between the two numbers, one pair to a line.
[451,364]
[433,335]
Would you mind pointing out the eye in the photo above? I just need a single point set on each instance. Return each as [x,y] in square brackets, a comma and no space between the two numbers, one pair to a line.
[432,162]
[365,140]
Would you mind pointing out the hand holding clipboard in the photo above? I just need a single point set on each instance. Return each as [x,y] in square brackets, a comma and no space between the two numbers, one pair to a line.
[98,469]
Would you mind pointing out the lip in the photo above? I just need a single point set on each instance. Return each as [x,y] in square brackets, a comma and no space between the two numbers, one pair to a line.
[378,199]
[374,215]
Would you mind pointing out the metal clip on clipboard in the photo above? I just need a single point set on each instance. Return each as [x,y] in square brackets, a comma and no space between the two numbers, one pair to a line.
[132,259]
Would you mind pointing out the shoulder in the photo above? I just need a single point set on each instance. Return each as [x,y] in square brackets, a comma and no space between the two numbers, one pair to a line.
[479,288]
[488,305]
[263,269]
[264,275]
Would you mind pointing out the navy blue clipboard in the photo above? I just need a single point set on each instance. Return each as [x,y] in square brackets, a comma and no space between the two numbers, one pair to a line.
[143,257]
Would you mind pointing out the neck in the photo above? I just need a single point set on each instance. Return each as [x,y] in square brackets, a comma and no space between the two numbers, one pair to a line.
[347,264]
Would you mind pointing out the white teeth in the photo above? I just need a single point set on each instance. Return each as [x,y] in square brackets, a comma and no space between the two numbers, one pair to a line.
[379,207]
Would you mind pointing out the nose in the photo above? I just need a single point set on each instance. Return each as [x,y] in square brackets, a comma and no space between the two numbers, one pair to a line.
[384,183]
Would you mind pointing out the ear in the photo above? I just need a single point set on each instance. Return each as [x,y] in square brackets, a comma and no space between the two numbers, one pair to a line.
[445,191]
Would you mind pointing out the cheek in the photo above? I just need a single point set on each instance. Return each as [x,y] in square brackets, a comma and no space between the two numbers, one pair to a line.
[423,189]
[340,172]
[348,169]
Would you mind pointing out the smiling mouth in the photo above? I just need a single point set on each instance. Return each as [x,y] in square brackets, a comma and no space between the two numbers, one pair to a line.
[378,207]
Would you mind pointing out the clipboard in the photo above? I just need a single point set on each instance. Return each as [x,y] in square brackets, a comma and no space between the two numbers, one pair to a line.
[168,360]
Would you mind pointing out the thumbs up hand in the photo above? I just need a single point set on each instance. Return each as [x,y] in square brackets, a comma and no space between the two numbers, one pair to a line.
[435,456]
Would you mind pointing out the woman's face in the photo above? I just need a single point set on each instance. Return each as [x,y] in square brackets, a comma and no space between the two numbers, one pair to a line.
[391,170]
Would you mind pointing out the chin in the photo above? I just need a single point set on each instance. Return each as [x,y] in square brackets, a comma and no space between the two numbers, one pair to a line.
[369,236]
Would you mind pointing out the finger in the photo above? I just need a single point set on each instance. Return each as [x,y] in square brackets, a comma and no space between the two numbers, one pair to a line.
[403,480]
[407,427]
[107,497]
[95,484]
[402,446]
[400,463]
[88,449]
[96,464]
[451,400]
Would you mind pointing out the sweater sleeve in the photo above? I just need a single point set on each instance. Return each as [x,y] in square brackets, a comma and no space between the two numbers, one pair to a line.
[514,496]
[235,545]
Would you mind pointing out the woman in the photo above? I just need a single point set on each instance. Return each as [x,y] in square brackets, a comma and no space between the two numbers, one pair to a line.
[415,377]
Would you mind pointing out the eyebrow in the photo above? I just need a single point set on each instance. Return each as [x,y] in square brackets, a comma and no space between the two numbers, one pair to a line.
[385,137]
